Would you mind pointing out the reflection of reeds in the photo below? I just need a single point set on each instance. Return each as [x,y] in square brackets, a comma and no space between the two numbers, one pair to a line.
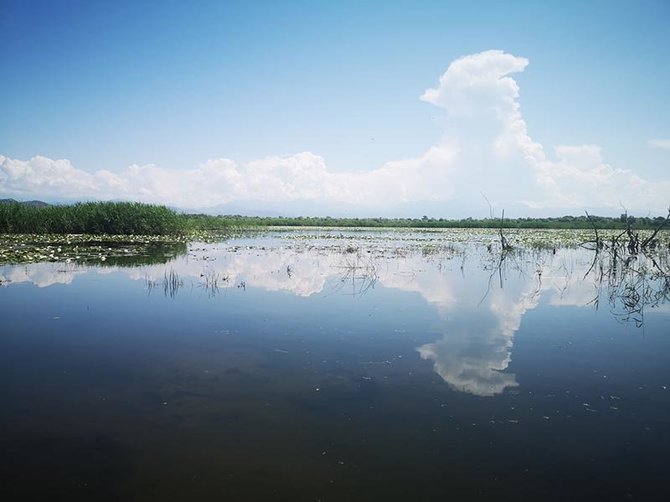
[361,272]
[211,280]
[633,282]
[149,283]
[630,279]
[171,283]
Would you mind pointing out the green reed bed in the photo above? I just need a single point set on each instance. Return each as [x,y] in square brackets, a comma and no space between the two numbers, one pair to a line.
[115,218]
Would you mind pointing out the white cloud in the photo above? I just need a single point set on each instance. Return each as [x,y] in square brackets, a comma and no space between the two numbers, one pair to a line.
[659,143]
[299,177]
[485,147]
[478,83]
[580,177]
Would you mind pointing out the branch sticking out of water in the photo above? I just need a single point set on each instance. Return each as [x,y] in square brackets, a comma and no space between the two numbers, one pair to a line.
[648,242]
[506,246]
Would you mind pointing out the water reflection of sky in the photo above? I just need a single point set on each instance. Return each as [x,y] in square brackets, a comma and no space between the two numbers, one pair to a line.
[479,301]
[352,366]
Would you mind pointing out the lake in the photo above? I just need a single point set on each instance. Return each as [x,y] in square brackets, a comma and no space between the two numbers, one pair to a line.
[325,365]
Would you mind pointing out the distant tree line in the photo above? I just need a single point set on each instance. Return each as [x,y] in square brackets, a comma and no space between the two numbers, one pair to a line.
[124,218]
[563,222]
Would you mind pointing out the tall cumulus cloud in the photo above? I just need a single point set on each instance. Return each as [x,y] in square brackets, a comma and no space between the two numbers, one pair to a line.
[485,147]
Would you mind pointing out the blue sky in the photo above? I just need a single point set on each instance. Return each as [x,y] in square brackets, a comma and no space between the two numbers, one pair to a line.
[313,107]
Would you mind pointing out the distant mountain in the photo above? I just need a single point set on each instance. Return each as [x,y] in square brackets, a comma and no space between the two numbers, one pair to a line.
[32,203]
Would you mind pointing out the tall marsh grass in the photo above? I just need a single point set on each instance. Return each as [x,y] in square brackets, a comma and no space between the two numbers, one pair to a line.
[120,218]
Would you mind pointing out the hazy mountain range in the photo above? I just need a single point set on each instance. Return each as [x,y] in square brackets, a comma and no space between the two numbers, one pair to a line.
[33,203]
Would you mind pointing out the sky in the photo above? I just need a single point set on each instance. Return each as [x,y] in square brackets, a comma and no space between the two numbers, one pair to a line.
[348,108]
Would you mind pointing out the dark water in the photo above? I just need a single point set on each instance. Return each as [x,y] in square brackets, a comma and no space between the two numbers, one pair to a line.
[336,366]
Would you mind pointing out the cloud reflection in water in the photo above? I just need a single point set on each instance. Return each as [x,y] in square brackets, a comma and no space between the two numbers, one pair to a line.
[474,351]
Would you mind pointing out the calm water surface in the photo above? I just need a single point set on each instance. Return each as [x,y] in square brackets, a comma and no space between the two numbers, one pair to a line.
[319,365]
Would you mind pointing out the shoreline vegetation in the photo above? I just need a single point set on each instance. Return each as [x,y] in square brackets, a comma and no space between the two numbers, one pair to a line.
[126,233]
[97,218]
[131,218]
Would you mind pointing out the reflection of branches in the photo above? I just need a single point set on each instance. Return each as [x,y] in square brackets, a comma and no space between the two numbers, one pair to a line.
[629,282]
[567,274]
[499,267]
[633,268]
[633,282]
[361,272]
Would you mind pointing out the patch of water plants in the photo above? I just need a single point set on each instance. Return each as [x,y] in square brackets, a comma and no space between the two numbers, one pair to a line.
[92,249]
[120,232]
[430,240]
